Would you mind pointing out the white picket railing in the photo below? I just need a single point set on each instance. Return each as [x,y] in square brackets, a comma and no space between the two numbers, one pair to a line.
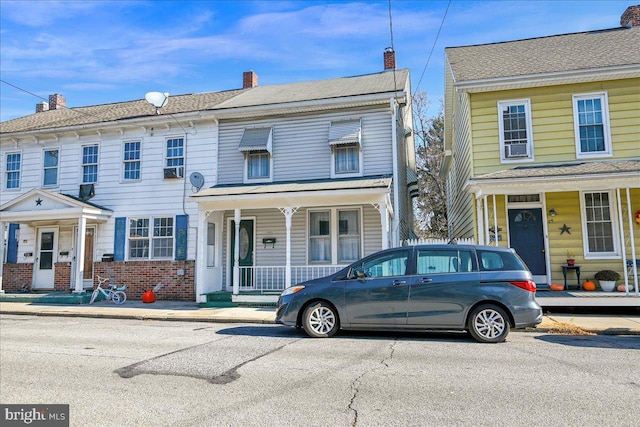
[273,278]
[466,241]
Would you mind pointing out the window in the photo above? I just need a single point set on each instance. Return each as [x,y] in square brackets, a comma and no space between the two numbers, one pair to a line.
[348,236]
[90,164]
[444,261]
[155,245]
[335,236]
[346,151]
[386,265]
[591,123]
[319,236]
[13,167]
[50,168]
[258,164]
[600,236]
[175,155]
[131,161]
[346,158]
[516,141]
[498,261]
[211,245]
[257,146]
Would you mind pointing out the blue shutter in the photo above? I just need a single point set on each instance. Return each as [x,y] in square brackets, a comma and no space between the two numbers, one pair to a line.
[182,222]
[120,239]
[12,244]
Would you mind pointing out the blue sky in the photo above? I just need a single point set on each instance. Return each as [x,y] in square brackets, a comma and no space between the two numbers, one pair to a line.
[95,52]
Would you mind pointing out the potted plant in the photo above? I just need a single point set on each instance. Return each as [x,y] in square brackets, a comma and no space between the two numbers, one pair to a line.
[607,279]
[571,258]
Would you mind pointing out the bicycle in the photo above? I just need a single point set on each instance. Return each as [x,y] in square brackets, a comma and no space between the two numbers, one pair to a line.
[114,293]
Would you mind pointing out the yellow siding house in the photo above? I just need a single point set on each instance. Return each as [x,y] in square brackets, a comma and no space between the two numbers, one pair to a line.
[542,140]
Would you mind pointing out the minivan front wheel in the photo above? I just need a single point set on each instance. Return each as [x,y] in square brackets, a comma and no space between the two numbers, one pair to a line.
[320,320]
[489,324]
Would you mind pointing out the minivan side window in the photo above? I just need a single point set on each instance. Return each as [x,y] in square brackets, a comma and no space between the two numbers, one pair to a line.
[432,261]
[497,261]
[385,265]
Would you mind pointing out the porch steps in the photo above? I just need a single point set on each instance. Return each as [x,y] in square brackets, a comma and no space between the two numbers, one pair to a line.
[218,300]
[47,297]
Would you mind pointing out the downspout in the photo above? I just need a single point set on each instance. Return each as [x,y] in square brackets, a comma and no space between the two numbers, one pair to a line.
[396,197]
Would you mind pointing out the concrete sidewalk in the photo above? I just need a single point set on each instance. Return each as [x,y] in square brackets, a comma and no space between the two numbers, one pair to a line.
[575,324]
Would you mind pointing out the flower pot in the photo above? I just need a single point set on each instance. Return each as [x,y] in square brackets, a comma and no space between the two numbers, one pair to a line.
[571,262]
[607,285]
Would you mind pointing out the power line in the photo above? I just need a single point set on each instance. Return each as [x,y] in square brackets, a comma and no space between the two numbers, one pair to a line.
[433,47]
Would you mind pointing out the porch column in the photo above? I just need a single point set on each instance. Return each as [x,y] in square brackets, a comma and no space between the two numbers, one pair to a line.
[479,215]
[236,253]
[288,214]
[384,224]
[634,266]
[80,254]
[1,254]
[201,253]
[495,222]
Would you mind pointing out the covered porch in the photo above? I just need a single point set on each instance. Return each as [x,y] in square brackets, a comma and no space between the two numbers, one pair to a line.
[50,239]
[256,240]
[549,213]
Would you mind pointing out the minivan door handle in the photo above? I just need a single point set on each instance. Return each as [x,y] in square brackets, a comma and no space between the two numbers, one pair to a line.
[399,282]
[425,280]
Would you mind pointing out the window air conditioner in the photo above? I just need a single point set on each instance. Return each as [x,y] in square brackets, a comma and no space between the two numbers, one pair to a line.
[171,173]
[86,192]
[516,150]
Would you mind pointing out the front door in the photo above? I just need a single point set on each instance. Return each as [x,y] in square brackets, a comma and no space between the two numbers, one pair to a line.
[245,255]
[46,257]
[526,236]
[87,277]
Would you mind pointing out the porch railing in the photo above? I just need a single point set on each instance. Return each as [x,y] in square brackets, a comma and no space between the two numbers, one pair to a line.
[273,278]
[465,241]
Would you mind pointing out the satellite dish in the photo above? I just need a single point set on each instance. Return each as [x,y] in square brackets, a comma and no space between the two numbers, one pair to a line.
[157,99]
[197,180]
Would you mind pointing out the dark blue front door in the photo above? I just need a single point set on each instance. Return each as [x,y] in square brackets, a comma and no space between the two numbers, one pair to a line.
[526,236]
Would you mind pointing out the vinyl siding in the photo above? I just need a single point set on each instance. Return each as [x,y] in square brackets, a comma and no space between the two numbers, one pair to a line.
[552,121]
[306,137]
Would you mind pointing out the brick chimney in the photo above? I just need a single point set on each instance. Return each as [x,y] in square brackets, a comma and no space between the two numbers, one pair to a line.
[41,106]
[57,101]
[249,79]
[631,17]
[389,59]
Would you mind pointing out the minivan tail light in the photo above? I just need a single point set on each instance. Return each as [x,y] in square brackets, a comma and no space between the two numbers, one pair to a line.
[527,285]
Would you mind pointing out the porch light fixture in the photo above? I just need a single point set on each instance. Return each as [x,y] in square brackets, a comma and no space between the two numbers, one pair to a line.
[552,212]
[157,99]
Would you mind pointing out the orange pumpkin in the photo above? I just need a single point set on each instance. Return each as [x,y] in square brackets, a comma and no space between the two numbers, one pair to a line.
[557,287]
[588,285]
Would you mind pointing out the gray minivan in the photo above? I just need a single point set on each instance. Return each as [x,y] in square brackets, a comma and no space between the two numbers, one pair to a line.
[485,290]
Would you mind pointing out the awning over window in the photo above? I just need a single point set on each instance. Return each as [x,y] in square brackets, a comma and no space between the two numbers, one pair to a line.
[256,139]
[345,132]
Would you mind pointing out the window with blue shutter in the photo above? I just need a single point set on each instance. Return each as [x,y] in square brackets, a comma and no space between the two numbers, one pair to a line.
[182,222]
[120,239]
[12,244]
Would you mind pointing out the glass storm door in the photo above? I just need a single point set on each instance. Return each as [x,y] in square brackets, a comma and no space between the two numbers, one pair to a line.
[44,273]
[245,256]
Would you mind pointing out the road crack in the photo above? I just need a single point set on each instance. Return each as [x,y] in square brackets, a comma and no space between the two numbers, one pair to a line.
[384,363]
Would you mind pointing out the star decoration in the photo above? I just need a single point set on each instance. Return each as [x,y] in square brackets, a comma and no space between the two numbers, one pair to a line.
[38,201]
[564,228]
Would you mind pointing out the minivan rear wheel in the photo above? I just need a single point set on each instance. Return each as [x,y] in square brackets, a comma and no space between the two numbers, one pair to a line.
[489,324]
[320,320]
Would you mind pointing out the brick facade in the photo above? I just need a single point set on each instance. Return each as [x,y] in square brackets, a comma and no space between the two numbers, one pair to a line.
[16,275]
[631,17]
[140,276]
[62,276]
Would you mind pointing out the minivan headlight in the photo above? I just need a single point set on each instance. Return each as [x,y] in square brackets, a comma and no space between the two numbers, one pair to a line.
[292,290]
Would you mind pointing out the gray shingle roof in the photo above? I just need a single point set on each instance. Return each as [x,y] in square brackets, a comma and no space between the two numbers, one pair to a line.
[260,95]
[589,50]
[564,170]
